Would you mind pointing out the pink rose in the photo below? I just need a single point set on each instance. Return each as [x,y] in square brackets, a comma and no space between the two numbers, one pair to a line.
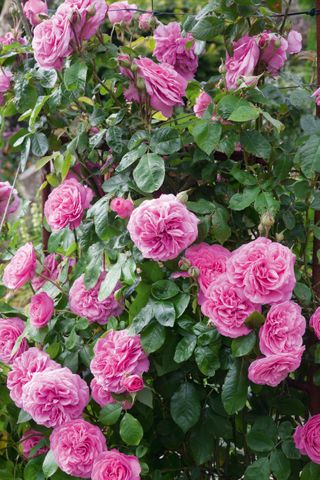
[33,8]
[14,202]
[264,270]
[175,49]
[273,51]
[5,82]
[133,383]
[29,441]
[10,330]
[100,395]
[10,38]
[50,271]
[145,21]
[66,204]
[21,267]
[23,368]
[243,61]
[307,439]
[41,309]
[163,85]
[121,12]
[91,14]
[53,397]
[202,103]
[52,41]
[75,446]
[315,322]
[283,329]
[113,464]
[85,302]
[227,308]
[273,369]
[210,260]
[162,228]
[294,42]
[118,355]
[316,96]
[122,207]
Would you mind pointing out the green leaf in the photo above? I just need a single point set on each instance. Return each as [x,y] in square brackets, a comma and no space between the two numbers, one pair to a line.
[185,348]
[185,407]
[153,337]
[149,173]
[49,465]
[110,414]
[265,201]
[33,469]
[110,281]
[241,346]
[75,76]
[207,28]
[39,144]
[130,157]
[303,293]
[221,230]
[164,289]
[23,417]
[243,177]
[180,303]
[244,113]
[240,201]
[41,101]
[201,444]
[280,465]
[164,313]
[263,435]
[131,430]
[260,469]
[206,135]
[207,359]
[310,472]
[255,143]
[308,156]
[289,449]
[235,388]
[255,320]
[165,141]
[145,396]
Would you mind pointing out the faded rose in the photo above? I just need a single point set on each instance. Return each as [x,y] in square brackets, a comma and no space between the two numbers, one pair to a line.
[33,8]
[242,63]
[21,267]
[121,12]
[8,194]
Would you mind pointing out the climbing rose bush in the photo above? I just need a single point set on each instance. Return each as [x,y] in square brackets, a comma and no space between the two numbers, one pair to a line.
[159,311]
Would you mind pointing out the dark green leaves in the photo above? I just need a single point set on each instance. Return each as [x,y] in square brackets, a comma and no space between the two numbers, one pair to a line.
[260,469]
[208,28]
[75,76]
[241,346]
[240,201]
[263,435]
[110,414]
[206,135]
[255,143]
[235,388]
[165,141]
[149,173]
[164,289]
[280,465]
[185,406]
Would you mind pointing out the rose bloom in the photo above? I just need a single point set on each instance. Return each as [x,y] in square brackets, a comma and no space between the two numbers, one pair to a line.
[52,41]
[163,85]
[50,271]
[66,204]
[91,14]
[122,207]
[75,446]
[210,260]
[294,42]
[316,96]
[116,356]
[264,270]
[121,12]
[21,267]
[315,322]
[273,369]
[5,82]
[41,310]
[307,439]
[175,49]
[103,397]
[5,190]
[10,38]
[145,21]
[30,440]
[227,308]
[85,302]
[245,57]
[133,383]
[273,51]
[33,8]
[53,397]
[162,228]
[10,330]
[23,368]
[114,465]
[202,103]
[283,329]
